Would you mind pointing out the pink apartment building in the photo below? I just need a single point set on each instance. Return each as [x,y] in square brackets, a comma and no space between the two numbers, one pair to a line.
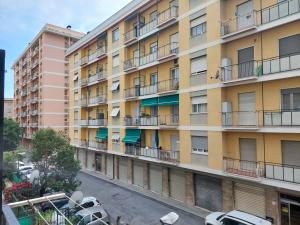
[41,81]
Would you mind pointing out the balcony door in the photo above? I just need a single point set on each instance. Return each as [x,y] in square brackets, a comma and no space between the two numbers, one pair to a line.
[174,43]
[244,15]
[247,109]
[246,62]
[174,141]
[248,154]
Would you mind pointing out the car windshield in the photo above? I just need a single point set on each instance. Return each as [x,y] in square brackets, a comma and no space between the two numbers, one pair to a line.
[227,221]
[75,219]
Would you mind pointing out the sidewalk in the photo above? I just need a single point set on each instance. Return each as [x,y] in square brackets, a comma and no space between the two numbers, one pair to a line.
[200,212]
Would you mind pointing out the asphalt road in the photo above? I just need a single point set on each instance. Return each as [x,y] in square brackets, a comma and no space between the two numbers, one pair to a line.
[133,208]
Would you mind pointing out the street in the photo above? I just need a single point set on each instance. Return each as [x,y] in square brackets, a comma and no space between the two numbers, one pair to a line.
[133,208]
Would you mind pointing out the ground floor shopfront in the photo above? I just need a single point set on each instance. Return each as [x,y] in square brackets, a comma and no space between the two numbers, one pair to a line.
[214,193]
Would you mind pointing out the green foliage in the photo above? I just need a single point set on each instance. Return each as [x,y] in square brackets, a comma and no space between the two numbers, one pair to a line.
[53,156]
[11,134]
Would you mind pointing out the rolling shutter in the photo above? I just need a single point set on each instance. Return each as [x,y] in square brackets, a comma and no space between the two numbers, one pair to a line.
[155,178]
[81,157]
[250,199]
[110,166]
[138,173]
[177,184]
[123,169]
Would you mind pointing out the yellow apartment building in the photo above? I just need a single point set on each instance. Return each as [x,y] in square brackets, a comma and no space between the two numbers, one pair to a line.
[196,100]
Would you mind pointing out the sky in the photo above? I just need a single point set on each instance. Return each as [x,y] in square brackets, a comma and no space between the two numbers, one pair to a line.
[21,20]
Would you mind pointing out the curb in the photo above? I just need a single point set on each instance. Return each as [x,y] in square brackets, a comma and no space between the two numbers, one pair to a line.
[196,211]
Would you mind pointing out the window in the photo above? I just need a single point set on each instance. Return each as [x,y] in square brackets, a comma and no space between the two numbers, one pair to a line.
[290,99]
[227,221]
[76,115]
[153,47]
[153,79]
[199,145]
[115,111]
[115,61]
[115,137]
[153,111]
[290,153]
[198,65]
[75,134]
[175,74]
[199,104]
[198,26]
[289,45]
[87,205]
[115,85]
[115,35]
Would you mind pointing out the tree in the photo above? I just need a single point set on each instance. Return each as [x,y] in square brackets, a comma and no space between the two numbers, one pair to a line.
[53,156]
[11,134]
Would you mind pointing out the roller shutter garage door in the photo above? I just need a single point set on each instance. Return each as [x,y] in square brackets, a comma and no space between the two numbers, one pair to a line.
[208,192]
[250,199]
[81,157]
[138,173]
[123,169]
[155,178]
[177,184]
[110,166]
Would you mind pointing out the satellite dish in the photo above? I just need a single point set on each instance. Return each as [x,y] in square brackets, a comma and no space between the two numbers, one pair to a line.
[34,175]
[77,197]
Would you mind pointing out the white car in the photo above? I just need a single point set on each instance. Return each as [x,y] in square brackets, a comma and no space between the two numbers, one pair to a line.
[234,217]
[24,170]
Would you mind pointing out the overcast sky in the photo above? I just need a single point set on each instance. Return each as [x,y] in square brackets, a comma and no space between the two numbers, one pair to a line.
[21,20]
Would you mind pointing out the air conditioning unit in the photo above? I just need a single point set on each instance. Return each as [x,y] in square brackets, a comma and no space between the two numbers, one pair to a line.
[226,113]
[226,69]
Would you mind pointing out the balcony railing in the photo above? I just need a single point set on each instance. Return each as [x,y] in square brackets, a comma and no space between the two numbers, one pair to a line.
[149,120]
[101,51]
[240,119]
[97,122]
[148,27]
[130,64]
[163,155]
[199,78]
[97,100]
[168,50]
[148,58]
[280,10]
[84,60]
[169,120]
[84,122]
[256,169]
[167,15]
[282,118]
[132,121]
[84,144]
[131,35]
[97,145]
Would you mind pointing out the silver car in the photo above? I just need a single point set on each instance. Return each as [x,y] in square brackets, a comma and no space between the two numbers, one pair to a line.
[96,215]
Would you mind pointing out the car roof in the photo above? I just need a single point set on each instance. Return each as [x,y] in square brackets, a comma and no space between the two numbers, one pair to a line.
[25,167]
[88,199]
[247,217]
[91,210]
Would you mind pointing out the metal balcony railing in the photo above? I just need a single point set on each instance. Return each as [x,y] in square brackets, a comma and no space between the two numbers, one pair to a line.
[84,60]
[163,155]
[167,15]
[148,58]
[149,120]
[240,119]
[282,118]
[97,145]
[97,122]
[132,63]
[132,121]
[84,122]
[168,85]
[280,10]
[239,23]
[83,143]
[100,75]
[101,51]
[131,35]
[97,100]
[169,120]
[257,169]
[168,50]
[148,27]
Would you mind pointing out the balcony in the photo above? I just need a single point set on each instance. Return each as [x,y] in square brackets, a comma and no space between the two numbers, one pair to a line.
[34,76]
[168,121]
[238,24]
[131,64]
[84,123]
[198,118]
[148,27]
[34,125]
[252,70]
[97,122]
[101,52]
[282,118]
[167,16]
[24,82]
[131,121]
[97,145]
[94,79]
[240,120]
[23,93]
[168,51]
[100,99]
[280,10]
[34,88]
[34,64]
[267,170]
[83,61]
[131,36]
[83,144]
[34,100]
[199,78]
[154,153]
[34,112]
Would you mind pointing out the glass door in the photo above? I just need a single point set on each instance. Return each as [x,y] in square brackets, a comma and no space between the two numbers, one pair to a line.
[290,210]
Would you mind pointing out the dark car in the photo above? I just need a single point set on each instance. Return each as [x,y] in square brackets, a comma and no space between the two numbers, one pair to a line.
[58,204]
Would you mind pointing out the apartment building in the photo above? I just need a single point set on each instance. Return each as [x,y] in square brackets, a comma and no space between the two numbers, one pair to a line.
[8,107]
[41,81]
[194,100]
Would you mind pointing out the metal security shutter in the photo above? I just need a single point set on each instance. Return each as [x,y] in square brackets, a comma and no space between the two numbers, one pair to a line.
[177,184]
[208,192]
[250,199]
[123,169]
[138,173]
[81,157]
[291,153]
[90,160]
[247,108]
[110,166]
[155,178]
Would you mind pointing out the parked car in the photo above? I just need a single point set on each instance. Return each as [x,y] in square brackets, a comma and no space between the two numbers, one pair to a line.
[24,170]
[87,202]
[234,217]
[96,215]
[58,204]
[19,164]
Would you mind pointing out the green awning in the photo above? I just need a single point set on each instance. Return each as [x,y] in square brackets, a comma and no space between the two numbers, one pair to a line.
[168,100]
[149,102]
[132,136]
[102,134]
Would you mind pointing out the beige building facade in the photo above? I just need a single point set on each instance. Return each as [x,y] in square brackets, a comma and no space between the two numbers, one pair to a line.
[195,100]
[8,107]
[41,81]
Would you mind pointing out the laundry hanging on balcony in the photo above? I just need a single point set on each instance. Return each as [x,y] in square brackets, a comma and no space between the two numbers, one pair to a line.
[102,134]
[132,136]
